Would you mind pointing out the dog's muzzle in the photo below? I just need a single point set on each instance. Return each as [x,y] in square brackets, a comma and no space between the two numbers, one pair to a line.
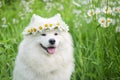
[50,49]
[52,41]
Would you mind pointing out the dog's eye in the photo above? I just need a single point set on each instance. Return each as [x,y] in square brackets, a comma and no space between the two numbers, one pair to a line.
[43,34]
[56,34]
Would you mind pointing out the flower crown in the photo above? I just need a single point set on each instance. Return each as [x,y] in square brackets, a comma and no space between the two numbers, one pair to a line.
[39,24]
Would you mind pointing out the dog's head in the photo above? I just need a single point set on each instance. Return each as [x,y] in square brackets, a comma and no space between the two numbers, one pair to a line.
[48,34]
[50,41]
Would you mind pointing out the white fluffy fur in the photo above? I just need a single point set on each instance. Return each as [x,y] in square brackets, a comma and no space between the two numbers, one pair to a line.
[34,63]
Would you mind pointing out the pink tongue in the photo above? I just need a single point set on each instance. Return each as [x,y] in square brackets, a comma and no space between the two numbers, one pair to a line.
[51,50]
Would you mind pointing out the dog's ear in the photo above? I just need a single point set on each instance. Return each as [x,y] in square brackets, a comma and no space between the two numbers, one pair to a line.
[35,17]
[64,25]
[58,16]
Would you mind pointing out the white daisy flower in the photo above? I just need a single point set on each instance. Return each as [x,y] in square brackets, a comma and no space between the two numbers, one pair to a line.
[34,29]
[105,25]
[109,20]
[61,7]
[102,20]
[49,6]
[115,9]
[4,20]
[52,25]
[4,25]
[27,31]
[15,21]
[107,10]
[90,12]
[97,11]
[40,28]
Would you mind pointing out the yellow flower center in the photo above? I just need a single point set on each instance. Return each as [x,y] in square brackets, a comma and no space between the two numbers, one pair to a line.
[106,9]
[102,21]
[108,20]
[40,27]
[29,30]
[46,25]
[58,24]
[34,29]
[51,25]
[91,13]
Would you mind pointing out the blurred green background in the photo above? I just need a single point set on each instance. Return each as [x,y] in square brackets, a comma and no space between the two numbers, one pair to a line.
[94,25]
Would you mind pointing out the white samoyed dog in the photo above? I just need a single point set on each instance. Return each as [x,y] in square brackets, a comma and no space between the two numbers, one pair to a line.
[46,52]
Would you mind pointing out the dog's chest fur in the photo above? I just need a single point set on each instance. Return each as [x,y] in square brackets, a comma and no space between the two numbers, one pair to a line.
[57,68]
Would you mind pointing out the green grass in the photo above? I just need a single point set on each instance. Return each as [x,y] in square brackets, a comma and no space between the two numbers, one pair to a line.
[96,49]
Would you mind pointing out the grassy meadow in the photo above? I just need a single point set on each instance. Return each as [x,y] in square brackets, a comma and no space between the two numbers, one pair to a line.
[94,26]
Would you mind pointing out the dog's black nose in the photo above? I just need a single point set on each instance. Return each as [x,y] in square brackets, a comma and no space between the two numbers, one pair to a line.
[52,41]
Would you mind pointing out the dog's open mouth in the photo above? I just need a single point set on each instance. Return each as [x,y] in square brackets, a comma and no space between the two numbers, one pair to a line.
[50,49]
